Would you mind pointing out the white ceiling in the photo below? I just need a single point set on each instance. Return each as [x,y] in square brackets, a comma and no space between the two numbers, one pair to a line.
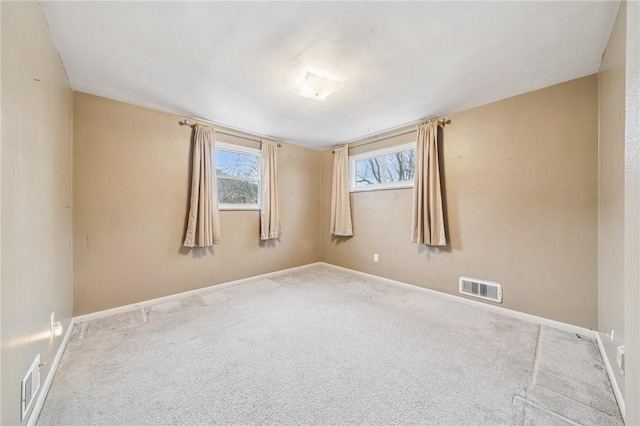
[233,63]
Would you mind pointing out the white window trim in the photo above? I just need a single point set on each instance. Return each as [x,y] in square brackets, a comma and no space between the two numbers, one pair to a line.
[377,153]
[242,150]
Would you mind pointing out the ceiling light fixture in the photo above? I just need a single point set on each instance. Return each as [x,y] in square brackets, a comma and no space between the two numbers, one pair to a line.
[315,87]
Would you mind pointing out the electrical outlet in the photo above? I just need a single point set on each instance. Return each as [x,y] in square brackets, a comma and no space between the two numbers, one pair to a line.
[55,327]
[375,257]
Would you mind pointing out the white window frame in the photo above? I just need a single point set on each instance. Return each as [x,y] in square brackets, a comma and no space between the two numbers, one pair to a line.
[239,149]
[378,153]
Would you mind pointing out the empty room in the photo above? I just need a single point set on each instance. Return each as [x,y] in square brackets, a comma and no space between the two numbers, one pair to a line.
[321,213]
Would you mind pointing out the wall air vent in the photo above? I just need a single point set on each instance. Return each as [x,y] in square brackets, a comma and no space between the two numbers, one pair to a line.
[482,289]
[29,387]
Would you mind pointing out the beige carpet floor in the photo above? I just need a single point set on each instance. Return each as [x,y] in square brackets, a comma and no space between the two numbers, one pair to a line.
[323,346]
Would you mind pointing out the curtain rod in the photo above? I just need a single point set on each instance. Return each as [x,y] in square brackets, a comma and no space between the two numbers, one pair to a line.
[186,122]
[441,123]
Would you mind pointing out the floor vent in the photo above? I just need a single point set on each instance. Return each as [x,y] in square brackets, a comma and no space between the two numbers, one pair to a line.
[30,385]
[480,288]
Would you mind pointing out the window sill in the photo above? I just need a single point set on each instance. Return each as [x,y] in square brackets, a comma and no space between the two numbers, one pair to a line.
[380,187]
[238,207]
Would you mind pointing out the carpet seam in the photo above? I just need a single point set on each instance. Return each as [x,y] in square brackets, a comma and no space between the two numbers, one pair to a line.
[536,357]
[83,330]
[575,400]
[553,413]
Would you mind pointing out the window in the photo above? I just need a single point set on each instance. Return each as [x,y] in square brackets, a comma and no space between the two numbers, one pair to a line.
[383,169]
[238,176]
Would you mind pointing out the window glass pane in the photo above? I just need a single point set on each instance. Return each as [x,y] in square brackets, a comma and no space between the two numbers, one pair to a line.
[236,164]
[386,168]
[231,191]
[400,166]
[368,172]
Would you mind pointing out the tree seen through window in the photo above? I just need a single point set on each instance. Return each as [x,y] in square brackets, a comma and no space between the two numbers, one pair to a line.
[238,176]
[387,168]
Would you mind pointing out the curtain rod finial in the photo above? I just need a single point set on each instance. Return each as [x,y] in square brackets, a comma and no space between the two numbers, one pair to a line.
[443,122]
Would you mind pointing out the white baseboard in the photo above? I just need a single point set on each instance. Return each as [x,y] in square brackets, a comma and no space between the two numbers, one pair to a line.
[179,296]
[612,377]
[35,413]
[499,309]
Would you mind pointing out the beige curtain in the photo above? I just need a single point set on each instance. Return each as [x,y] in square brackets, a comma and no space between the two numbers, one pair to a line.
[340,203]
[270,202]
[203,227]
[428,217]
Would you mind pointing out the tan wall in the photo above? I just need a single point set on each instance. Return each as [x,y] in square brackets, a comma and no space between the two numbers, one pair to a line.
[520,180]
[131,180]
[1,341]
[632,215]
[611,192]
[36,197]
